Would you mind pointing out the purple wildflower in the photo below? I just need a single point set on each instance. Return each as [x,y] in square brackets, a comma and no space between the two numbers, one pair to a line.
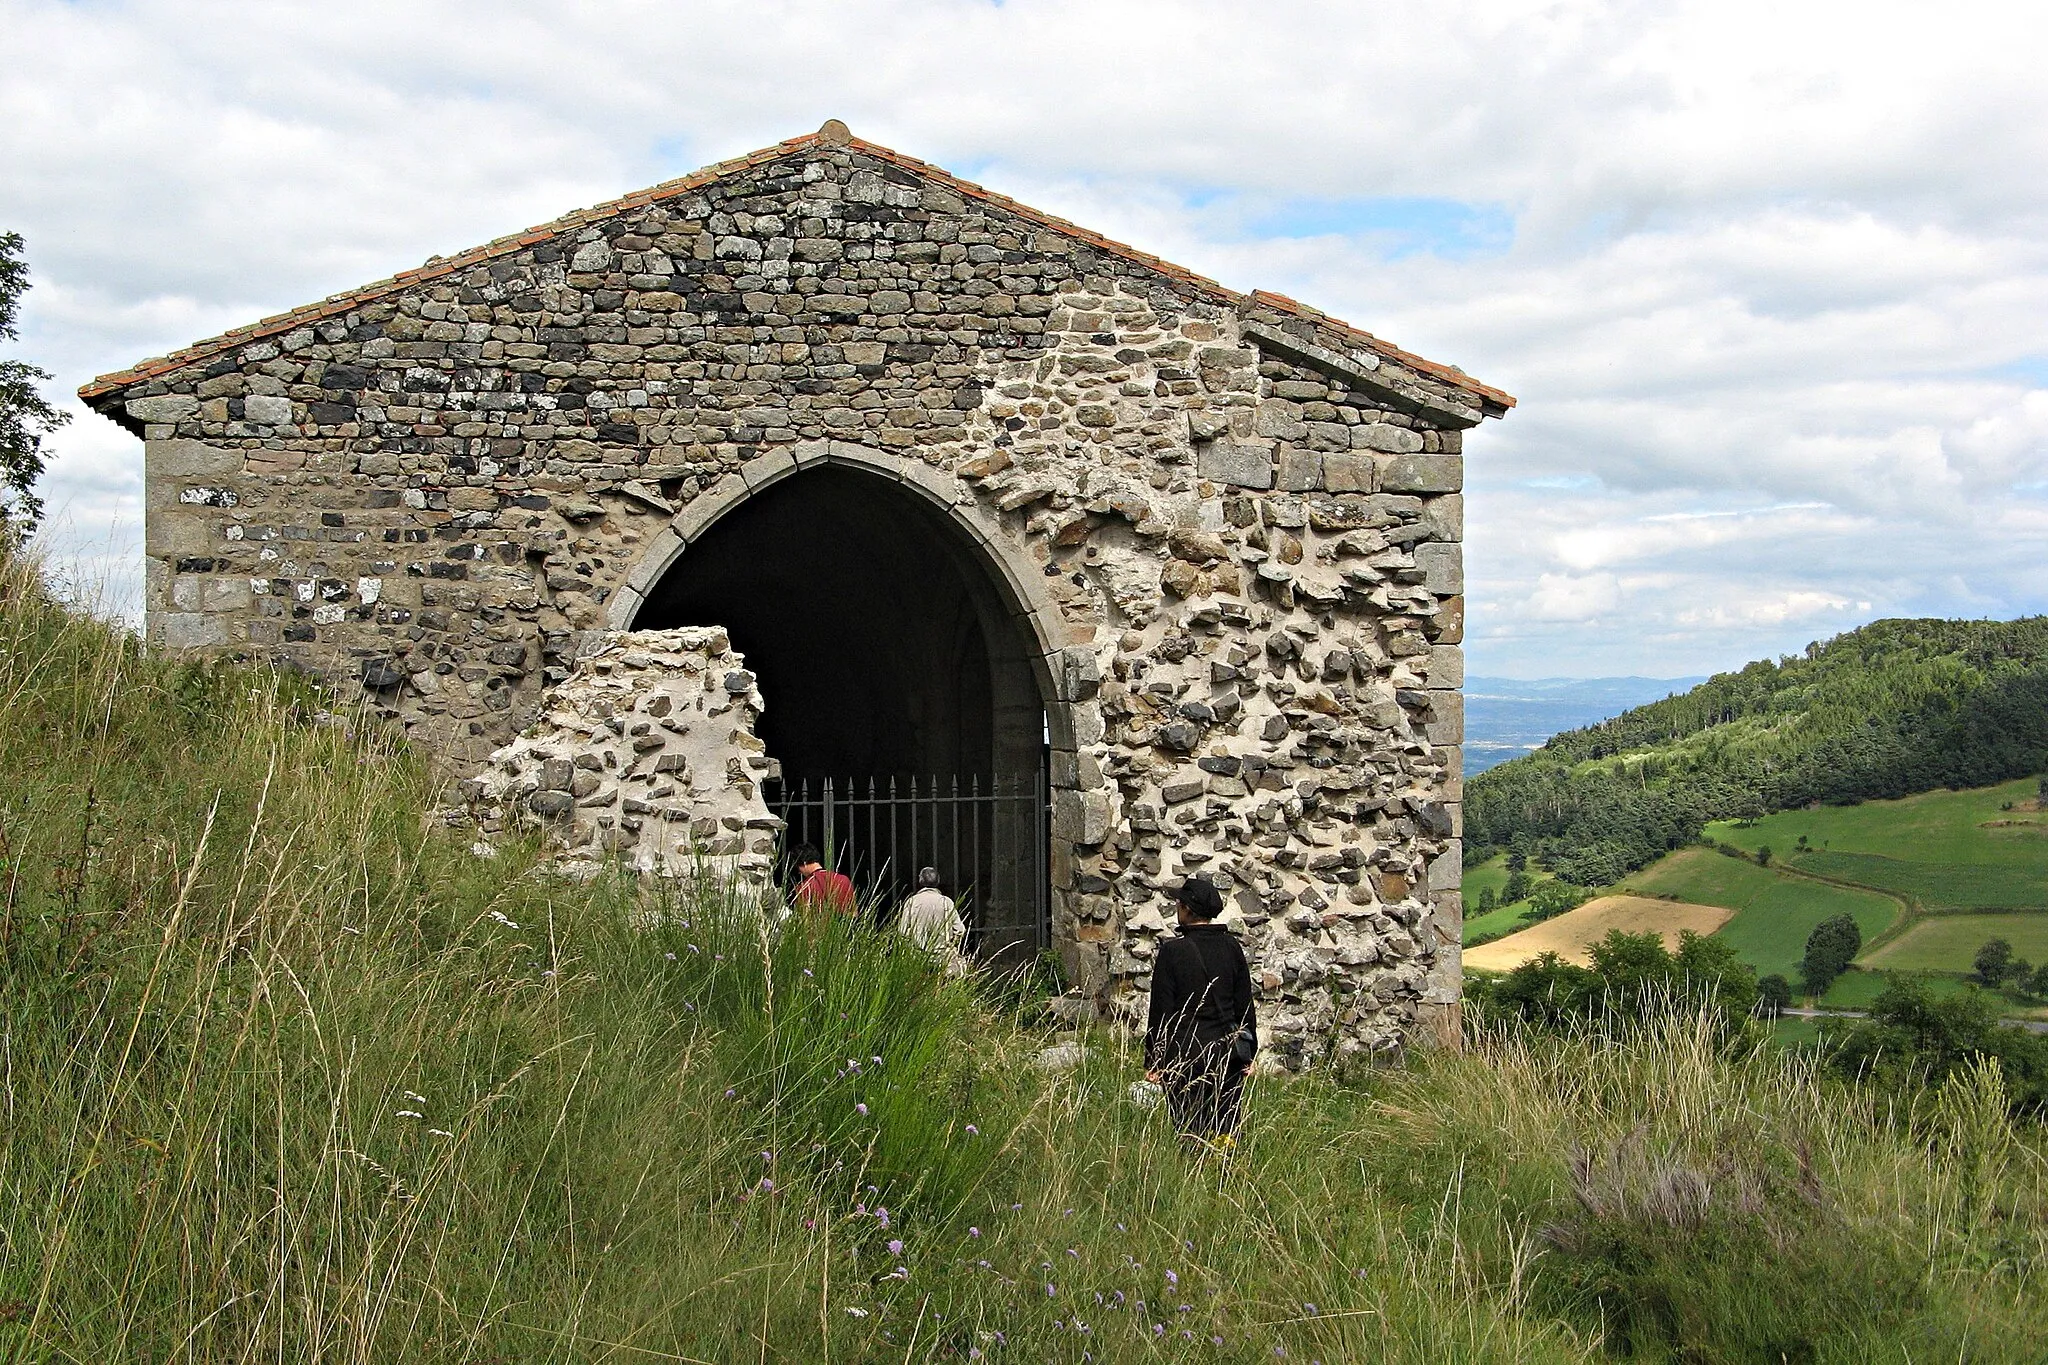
[861,1109]
[895,1246]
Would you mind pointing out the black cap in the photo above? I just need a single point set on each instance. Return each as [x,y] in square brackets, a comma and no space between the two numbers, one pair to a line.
[1201,897]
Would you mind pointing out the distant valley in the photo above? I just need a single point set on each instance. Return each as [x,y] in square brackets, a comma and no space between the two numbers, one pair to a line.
[1508,717]
[1893,778]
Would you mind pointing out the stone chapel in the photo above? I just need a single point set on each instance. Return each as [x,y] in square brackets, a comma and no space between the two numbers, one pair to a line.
[820,493]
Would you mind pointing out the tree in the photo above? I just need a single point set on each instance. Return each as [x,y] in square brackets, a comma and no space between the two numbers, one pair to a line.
[1914,1038]
[1993,962]
[2020,973]
[2038,986]
[1633,977]
[1551,899]
[1488,899]
[1830,948]
[1773,995]
[1763,856]
[25,418]
[1517,888]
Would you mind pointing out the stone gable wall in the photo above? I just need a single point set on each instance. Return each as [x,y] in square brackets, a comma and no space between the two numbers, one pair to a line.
[1235,536]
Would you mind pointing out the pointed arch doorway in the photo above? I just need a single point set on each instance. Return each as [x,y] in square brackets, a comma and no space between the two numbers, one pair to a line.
[904,687]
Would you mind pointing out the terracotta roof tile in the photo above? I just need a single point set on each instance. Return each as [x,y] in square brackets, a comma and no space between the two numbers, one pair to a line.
[340,303]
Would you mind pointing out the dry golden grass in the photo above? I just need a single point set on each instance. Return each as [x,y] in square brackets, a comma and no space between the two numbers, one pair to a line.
[1573,933]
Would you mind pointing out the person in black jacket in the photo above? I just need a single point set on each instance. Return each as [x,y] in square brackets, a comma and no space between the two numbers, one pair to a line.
[1201,1003]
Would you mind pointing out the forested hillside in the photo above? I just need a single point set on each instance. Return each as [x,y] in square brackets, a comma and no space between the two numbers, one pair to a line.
[1893,708]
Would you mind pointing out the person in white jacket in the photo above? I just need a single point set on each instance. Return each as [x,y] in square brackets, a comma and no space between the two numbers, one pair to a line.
[931,920]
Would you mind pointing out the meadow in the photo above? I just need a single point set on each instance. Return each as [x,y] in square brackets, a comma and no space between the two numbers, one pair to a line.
[1949,943]
[1502,919]
[1773,912]
[293,1071]
[1944,850]
[1928,879]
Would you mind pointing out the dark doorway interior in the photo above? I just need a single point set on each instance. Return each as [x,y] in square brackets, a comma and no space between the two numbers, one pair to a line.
[890,665]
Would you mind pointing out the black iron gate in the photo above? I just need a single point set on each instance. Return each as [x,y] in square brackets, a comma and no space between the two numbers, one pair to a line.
[985,834]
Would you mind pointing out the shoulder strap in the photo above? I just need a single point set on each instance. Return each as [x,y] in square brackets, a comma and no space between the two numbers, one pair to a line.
[1210,993]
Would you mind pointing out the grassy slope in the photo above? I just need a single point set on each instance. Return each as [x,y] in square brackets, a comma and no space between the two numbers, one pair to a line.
[1949,943]
[1947,850]
[1502,919]
[1774,913]
[292,1076]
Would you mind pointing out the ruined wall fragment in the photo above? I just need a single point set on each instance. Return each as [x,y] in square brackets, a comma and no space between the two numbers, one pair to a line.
[645,754]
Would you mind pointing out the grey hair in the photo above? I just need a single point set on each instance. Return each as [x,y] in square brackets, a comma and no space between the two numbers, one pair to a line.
[927,877]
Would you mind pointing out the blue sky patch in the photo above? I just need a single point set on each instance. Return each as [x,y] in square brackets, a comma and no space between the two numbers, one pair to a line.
[2030,370]
[1561,483]
[1400,226]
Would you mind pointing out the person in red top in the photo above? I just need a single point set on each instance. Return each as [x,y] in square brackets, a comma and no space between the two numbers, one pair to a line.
[819,887]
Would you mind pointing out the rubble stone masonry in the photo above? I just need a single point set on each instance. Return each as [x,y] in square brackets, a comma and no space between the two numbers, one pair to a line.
[1231,524]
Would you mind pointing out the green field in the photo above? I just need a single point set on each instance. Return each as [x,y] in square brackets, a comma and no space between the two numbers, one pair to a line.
[1502,920]
[1934,885]
[1948,943]
[1490,875]
[1773,912]
[1793,1029]
[286,1079]
[1856,989]
[1945,850]
[1496,923]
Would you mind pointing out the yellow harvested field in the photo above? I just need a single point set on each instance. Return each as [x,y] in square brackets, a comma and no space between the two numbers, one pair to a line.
[1572,933]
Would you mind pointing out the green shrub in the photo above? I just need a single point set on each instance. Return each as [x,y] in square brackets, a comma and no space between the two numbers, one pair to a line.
[1914,1041]
[1633,978]
[1550,899]
[1993,962]
[1773,995]
[1830,948]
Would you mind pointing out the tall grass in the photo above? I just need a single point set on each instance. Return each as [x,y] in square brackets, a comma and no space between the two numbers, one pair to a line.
[289,1072]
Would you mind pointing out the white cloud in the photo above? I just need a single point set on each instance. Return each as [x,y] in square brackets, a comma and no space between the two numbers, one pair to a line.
[1562,597]
[1771,299]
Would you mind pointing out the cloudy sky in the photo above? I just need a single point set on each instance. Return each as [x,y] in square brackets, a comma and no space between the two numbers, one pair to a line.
[1770,279]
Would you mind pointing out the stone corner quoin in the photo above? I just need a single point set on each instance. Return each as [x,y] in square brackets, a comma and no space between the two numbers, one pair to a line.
[1231,524]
